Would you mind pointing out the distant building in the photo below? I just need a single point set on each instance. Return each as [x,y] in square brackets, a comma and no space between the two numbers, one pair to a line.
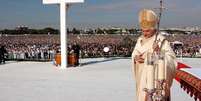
[22,28]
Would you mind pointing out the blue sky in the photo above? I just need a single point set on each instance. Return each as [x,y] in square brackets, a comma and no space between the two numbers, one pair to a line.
[97,13]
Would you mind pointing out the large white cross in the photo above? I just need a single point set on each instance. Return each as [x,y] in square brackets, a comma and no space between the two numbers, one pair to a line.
[63,33]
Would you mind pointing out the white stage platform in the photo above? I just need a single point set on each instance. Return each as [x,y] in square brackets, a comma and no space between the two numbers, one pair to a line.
[194,71]
[97,80]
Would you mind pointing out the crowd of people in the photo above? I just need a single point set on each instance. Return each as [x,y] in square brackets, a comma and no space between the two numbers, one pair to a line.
[30,47]
[191,45]
[44,47]
[93,45]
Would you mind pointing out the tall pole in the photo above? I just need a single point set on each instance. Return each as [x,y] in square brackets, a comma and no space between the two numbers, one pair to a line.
[159,19]
[63,35]
[160,13]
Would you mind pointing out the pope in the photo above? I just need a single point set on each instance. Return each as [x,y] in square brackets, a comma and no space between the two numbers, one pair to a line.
[151,40]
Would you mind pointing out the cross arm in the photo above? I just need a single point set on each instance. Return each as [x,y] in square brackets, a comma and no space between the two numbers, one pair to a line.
[61,1]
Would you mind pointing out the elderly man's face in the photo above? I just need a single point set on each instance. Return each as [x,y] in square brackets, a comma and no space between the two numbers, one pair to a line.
[148,32]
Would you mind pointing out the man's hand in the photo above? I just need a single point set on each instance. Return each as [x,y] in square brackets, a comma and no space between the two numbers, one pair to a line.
[139,58]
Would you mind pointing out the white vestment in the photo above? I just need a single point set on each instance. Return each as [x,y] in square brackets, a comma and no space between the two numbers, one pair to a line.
[140,72]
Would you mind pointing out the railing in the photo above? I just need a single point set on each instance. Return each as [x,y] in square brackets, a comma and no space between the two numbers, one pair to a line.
[190,84]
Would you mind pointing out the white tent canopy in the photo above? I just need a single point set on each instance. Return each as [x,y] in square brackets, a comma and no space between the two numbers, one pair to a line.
[177,43]
[165,33]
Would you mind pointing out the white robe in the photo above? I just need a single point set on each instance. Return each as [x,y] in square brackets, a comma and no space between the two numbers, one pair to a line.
[139,70]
